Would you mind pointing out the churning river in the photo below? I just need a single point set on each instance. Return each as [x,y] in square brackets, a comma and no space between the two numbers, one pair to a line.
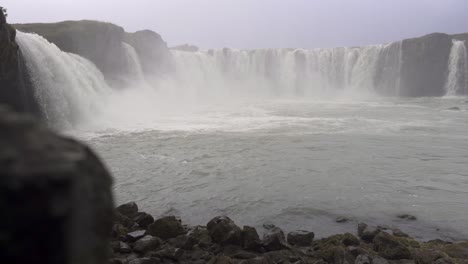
[301,164]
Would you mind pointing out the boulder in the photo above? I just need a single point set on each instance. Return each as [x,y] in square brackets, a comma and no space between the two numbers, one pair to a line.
[146,244]
[363,259]
[166,227]
[250,238]
[274,240]
[389,247]
[201,235]
[145,261]
[143,219]
[458,250]
[366,232]
[124,248]
[301,238]
[135,235]
[129,209]
[224,231]
[57,195]
[407,217]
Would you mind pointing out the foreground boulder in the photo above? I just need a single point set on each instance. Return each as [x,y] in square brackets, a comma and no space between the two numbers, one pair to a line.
[390,247]
[301,238]
[224,231]
[166,227]
[55,195]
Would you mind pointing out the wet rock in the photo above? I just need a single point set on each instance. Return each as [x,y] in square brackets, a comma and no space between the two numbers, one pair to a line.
[119,232]
[224,231]
[349,239]
[459,250]
[201,235]
[135,235]
[455,108]
[124,248]
[166,227]
[221,260]
[356,251]
[427,256]
[168,252]
[146,244]
[363,259]
[341,219]
[269,226]
[445,260]
[301,238]
[145,261]
[250,238]
[183,242]
[274,240]
[143,219]
[129,209]
[366,232]
[55,196]
[259,260]
[335,254]
[398,233]
[379,260]
[407,217]
[123,220]
[390,248]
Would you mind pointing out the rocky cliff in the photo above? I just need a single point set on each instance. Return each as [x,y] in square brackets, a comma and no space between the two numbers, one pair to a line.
[424,65]
[101,43]
[14,88]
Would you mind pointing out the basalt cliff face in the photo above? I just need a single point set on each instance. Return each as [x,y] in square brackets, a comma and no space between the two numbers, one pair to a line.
[15,89]
[105,45]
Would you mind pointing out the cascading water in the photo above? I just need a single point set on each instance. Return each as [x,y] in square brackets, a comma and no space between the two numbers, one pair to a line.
[133,66]
[68,87]
[289,72]
[457,77]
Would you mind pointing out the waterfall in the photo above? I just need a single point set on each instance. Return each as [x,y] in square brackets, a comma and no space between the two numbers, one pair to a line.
[133,66]
[68,87]
[457,77]
[292,72]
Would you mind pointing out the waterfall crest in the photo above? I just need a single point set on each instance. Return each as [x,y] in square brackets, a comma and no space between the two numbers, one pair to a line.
[68,87]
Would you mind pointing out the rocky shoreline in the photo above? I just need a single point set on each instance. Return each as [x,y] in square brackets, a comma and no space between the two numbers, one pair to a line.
[137,238]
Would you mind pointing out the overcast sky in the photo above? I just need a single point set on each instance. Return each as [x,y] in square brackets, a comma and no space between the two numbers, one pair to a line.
[259,23]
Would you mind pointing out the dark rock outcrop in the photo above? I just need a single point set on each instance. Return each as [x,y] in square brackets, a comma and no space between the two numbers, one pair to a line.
[56,196]
[424,65]
[224,231]
[15,88]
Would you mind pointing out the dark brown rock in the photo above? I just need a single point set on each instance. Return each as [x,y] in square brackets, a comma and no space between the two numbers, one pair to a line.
[129,209]
[250,238]
[166,227]
[366,232]
[224,231]
[274,240]
[390,248]
[143,219]
[301,238]
[146,244]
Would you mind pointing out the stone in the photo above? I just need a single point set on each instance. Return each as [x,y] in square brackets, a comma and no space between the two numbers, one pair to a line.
[341,219]
[123,220]
[301,238]
[119,232]
[167,252]
[56,195]
[259,260]
[458,250]
[129,209]
[145,261]
[135,235]
[407,217]
[147,243]
[201,236]
[224,231]
[366,232]
[250,238]
[349,239]
[115,261]
[124,248]
[143,219]
[166,227]
[398,233]
[274,240]
[363,259]
[221,260]
[445,260]
[390,248]
[426,256]
[183,242]
[379,260]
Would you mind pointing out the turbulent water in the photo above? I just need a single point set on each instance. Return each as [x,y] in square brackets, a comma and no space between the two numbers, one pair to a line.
[293,137]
